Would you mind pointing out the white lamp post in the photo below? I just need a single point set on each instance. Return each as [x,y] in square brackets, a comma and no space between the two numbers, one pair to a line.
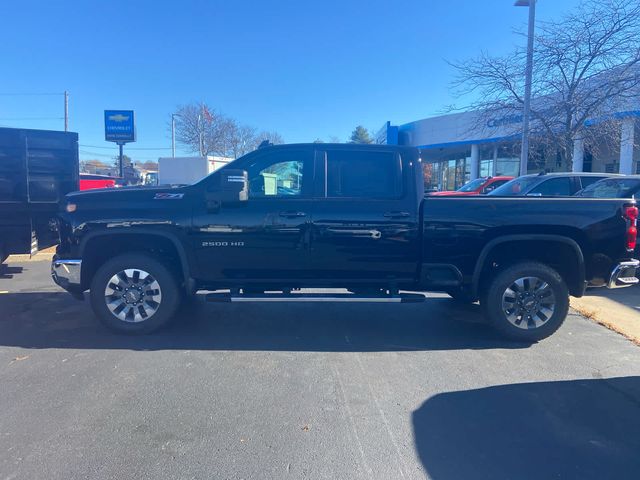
[524,155]
[173,133]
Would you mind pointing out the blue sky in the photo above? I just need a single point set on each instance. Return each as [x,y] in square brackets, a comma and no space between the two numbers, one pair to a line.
[305,69]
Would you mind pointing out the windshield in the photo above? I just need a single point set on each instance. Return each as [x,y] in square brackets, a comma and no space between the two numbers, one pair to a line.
[517,186]
[611,188]
[473,185]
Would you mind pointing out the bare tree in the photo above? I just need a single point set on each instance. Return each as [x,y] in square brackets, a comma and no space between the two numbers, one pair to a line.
[241,140]
[585,69]
[271,137]
[91,166]
[202,130]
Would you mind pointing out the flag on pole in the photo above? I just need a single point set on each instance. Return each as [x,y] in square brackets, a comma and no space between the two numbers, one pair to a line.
[207,114]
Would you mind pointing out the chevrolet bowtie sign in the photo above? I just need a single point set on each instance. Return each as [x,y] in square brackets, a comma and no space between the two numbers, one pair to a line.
[119,126]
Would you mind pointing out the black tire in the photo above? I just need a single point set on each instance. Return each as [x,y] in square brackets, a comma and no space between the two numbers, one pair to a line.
[531,318]
[461,295]
[168,298]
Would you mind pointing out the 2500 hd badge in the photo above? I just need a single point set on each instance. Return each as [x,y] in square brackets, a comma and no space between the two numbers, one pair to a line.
[223,244]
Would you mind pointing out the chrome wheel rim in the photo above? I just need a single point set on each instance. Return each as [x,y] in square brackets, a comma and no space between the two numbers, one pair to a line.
[133,295]
[528,303]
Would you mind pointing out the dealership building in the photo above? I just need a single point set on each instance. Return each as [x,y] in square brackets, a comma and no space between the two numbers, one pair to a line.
[463,146]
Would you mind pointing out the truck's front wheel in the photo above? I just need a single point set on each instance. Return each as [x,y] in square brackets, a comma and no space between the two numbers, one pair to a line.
[134,294]
[527,302]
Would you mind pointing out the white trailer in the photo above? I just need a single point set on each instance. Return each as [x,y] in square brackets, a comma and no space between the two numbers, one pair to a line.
[187,170]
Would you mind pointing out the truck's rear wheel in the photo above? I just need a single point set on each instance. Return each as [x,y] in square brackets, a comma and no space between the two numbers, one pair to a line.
[527,302]
[134,294]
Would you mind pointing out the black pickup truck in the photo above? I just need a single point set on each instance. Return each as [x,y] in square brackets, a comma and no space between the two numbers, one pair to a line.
[286,218]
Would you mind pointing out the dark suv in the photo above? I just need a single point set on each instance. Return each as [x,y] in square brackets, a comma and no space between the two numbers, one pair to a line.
[548,184]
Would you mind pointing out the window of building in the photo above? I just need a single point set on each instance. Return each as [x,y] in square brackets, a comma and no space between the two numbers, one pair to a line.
[363,174]
[431,174]
[486,168]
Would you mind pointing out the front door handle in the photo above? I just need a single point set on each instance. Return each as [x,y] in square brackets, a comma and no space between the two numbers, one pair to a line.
[292,214]
[396,214]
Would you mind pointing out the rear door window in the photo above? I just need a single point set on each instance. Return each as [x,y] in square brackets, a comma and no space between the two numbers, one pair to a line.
[612,188]
[586,181]
[498,183]
[362,174]
[554,187]
[493,185]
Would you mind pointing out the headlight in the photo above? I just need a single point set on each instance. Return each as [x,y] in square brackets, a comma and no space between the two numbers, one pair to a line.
[71,207]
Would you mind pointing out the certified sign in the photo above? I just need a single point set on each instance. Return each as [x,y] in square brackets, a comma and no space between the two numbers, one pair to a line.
[119,126]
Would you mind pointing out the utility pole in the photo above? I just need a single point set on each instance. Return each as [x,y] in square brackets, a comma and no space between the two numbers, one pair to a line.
[200,132]
[524,154]
[173,135]
[66,111]
[120,160]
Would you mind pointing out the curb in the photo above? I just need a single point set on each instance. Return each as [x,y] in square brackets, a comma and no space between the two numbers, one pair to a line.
[610,314]
[39,257]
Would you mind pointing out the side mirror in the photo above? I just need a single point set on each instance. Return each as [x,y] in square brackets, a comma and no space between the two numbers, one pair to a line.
[231,189]
[488,189]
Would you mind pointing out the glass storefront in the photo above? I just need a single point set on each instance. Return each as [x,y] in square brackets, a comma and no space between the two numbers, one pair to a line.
[507,160]
[447,174]
[448,169]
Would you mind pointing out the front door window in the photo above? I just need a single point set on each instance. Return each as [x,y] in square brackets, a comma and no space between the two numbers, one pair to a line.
[279,175]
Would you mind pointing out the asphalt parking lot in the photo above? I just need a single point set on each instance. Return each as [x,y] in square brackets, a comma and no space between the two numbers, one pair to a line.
[307,391]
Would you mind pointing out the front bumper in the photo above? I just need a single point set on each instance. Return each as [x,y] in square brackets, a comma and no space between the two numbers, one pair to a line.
[624,274]
[66,273]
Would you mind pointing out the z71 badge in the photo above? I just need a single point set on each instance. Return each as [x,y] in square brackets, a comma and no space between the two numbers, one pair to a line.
[168,196]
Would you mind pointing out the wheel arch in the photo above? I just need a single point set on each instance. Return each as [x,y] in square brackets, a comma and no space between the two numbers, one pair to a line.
[96,247]
[568,259]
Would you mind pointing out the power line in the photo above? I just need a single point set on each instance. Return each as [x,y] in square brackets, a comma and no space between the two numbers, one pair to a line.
[29,94]
[128,148]
[31,118]
[114,156]
[84,152]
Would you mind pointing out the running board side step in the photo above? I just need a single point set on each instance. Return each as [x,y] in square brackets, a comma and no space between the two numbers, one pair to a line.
[315,297]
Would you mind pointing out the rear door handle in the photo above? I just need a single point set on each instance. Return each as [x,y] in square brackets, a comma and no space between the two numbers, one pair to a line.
[292,214]
[396,214]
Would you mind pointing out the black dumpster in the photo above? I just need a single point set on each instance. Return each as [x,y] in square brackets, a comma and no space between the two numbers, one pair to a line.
[37,169]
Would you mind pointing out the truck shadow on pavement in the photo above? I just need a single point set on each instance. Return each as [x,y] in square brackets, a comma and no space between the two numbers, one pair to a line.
[55,320]
[7,272]
[572,429]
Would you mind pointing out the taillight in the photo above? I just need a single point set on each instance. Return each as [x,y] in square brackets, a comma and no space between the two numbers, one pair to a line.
[631,214]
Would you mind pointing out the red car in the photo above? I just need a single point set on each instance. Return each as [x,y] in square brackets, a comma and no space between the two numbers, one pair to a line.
[90,182]
[479,186]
